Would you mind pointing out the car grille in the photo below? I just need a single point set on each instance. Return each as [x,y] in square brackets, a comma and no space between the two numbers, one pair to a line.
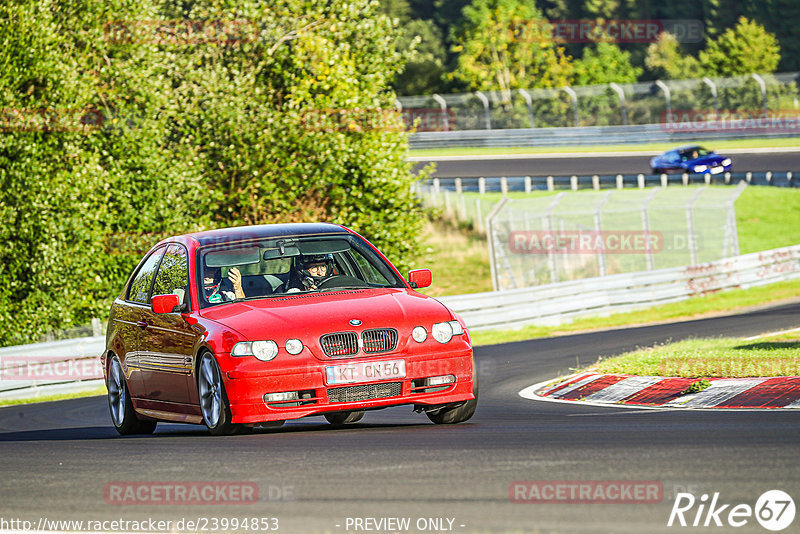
[380,340]
[339,344]
[365,392]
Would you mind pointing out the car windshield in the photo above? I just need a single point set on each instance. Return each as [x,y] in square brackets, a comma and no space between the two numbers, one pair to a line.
[279,266]
[694,153]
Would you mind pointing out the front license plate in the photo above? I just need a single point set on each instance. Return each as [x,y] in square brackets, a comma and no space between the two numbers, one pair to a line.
[352,373]
[717,170]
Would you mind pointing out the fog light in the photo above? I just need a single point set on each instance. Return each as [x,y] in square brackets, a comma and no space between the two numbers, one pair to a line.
[283,396]
[440,380]
[419,334]
[294,346]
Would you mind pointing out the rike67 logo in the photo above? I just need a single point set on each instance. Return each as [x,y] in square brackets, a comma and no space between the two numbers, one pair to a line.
[774,510]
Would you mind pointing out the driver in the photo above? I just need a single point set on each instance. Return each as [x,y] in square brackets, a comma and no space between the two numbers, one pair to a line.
[315,269]
[212,285]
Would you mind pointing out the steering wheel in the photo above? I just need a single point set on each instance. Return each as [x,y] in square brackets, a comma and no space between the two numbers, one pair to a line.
[341,280]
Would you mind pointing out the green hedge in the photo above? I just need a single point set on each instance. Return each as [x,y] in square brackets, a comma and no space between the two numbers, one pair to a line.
[125,121]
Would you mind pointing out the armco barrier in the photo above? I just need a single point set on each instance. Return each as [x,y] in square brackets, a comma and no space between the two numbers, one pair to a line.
[585,135]
[547,305]
[557,303]
[41,368]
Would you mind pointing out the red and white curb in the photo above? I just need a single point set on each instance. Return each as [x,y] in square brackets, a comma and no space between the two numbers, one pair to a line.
[657,391]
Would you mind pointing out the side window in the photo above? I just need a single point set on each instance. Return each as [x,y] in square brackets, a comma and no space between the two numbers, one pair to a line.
[372,275]
[141,284]
[173,275]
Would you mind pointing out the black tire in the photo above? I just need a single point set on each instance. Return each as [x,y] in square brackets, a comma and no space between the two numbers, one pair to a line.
[344,418]
[214,403]
[451,414]
[120,405]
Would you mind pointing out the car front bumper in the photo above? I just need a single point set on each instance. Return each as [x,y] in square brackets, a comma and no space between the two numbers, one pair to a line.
[246,390]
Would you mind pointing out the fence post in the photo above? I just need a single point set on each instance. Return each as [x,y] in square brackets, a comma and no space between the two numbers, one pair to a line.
[97,328]
[574,97]
[713,87]
[459,186]
[596,182]
[690,226]
[443,105]
[550,185]
[503,185]
[573,182]
[482,185]
[763,86]
[685,179]
[620,184]
[667,96]
[527,96]
[640,181]
[622,106]
[485,102]
[528,183]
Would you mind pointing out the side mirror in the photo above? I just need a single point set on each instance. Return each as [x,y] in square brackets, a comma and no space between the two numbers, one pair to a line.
[419,278]
[166,304]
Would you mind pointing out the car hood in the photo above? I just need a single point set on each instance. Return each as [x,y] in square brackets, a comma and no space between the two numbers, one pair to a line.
[711,159]
[309,315]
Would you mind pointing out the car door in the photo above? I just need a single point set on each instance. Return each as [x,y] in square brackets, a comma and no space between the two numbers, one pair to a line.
[130,318]
[168,340]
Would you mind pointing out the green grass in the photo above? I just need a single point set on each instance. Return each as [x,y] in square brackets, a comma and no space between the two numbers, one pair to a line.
[768,217]
[100,390]
[724,302]
[783,142]
[710,357]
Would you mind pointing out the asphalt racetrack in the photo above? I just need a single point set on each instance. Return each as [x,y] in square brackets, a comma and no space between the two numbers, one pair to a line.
[58,458]
[567,165]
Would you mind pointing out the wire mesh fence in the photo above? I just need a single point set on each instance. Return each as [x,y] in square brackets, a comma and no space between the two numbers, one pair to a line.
[547,239]
[669,102]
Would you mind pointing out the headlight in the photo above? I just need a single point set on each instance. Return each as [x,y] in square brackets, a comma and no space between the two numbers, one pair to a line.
[419,334]
[457,330]
[442,332]
[726,162]
[294,346]
[263,350]
[700,168]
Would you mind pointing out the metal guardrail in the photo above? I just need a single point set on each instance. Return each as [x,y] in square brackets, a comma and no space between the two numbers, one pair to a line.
[561,302]
[507,184]
[550,304]
[42,368]
[590,135]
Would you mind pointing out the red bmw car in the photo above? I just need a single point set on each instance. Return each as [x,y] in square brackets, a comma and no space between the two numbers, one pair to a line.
[252,326]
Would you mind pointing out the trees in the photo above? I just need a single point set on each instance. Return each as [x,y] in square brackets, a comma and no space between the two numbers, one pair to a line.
[743,49]
[504,45]
[126,120]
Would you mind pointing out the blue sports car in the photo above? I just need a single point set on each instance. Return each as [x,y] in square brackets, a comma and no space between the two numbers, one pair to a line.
[691,159]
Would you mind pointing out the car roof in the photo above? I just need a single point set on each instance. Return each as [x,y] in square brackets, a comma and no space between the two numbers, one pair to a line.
[243,233]
[687,147]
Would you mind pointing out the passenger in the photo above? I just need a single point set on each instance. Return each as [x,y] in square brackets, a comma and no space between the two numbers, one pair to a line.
[212,284]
